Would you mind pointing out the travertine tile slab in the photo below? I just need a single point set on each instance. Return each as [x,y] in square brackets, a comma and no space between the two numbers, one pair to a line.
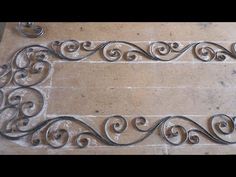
[161,75]
[141,101]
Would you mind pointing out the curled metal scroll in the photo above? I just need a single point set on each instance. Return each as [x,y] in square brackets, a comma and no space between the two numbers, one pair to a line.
[158,51]
[29,29]
[23,102]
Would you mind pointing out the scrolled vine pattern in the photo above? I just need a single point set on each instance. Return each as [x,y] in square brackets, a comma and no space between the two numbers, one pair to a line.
[174,135]
[21,101]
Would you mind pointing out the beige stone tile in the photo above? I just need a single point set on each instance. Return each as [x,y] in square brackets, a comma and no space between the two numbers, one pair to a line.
[157,101]
[122,75]
[87,101]
[203,150]
[146,150]
[144,75]
[17,150]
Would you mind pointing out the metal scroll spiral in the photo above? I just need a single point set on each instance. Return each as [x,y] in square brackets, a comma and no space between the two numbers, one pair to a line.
[112,51]
[29,29]
[21,102]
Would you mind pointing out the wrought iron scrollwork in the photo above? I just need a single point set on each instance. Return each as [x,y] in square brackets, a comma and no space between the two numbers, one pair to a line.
[158,51]
[29,29]
[21,101]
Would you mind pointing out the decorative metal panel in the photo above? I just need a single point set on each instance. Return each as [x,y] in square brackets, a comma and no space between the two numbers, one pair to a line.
[31,66]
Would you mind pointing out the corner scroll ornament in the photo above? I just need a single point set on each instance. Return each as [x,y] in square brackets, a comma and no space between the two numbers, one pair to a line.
[22,101]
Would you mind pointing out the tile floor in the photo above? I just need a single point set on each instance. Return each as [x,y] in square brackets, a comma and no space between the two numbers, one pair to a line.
[93,89]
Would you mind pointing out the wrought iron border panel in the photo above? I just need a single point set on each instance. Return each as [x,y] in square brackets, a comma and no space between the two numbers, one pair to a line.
[34,60]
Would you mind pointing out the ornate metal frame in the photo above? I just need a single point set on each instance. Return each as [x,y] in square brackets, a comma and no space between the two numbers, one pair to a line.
[31,66]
